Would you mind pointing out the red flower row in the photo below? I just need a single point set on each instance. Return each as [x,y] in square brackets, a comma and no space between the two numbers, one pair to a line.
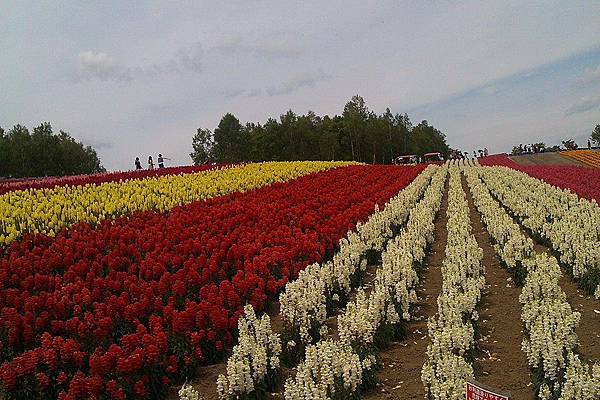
[143,300]
[96,179]
[583,181]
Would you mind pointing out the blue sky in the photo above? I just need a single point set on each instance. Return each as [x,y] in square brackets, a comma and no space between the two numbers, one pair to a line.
[138,78]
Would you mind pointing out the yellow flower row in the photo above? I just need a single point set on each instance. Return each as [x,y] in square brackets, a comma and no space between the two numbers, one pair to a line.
[47,211]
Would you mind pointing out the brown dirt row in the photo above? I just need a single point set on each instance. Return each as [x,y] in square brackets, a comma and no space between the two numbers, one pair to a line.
[500,362]
[400,373]
[545,159]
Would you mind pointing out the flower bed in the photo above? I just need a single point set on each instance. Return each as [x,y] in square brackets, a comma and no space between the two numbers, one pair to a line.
[48,211]
[452,331]
[369,316]
[96,179]
[570,225]
[585,182]
[137,302]
[549,322]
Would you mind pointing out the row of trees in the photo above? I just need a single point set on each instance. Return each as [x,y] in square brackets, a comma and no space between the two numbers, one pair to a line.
[358,134]
[44,153]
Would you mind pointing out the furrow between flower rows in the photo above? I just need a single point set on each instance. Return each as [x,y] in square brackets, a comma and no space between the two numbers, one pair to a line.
[306,301]
[549,322]
[450,354]
[139,302]
[341,368]
[48,211]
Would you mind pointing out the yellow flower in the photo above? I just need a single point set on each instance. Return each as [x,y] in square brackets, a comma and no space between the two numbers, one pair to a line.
[50,210]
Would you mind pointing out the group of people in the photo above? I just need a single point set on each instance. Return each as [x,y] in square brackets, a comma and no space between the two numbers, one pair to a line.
[531,149]
[459,155]
[161,162]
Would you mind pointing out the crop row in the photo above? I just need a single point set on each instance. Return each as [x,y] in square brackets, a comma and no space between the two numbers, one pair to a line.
[452,331]
[306,301]
[126,307]
[48,211]
[588,157]
[585,182]
[569,224]
[339,369]
[548,320]
[96,179]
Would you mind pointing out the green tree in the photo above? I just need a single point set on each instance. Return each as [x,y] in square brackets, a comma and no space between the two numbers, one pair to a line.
[358,134]
[596,135]
[355,117]
[229,146]
[43,153]
[202,144]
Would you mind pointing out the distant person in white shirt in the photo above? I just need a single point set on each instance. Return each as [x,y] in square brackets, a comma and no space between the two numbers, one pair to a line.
[150,163]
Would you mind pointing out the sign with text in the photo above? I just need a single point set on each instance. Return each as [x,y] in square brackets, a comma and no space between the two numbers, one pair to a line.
[479,391]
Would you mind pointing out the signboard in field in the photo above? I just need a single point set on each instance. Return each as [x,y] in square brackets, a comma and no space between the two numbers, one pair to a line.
[479,391]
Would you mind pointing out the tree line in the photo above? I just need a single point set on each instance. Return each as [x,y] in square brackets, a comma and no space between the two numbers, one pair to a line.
[357,134]
[44,153]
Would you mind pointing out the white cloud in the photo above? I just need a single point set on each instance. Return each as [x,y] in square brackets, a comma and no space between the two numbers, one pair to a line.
[583,105]
[101,66]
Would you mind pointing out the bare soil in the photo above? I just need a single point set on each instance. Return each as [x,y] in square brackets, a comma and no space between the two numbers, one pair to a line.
[500,362]
[545,159]
[401,363]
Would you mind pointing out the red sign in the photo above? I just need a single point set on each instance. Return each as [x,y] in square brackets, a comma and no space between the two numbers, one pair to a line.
[478,391]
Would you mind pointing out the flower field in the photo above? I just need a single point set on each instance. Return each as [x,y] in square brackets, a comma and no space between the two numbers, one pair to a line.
[588,157]
[585,182]
[298,280]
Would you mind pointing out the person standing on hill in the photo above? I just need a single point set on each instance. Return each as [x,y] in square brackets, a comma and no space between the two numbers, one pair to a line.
[161,162]
[150,163]
[138,164]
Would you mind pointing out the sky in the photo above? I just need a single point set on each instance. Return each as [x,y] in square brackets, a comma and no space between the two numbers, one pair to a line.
[135,78]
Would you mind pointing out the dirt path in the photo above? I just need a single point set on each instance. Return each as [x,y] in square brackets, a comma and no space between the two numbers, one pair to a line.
[400,374]
[500,362]
[545,159]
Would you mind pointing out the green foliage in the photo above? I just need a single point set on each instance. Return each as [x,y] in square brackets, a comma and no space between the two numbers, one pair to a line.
[202,143]
[229,143]
[358,134]
[595,136]
[43,153]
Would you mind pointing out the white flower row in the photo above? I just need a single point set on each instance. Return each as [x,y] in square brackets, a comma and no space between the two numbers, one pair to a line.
[396,279]
[510,243]
[452,330]
[551,340]
[255,359]
[329,370]
[387,303]
[303,303]
[548,318]
[570,224]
